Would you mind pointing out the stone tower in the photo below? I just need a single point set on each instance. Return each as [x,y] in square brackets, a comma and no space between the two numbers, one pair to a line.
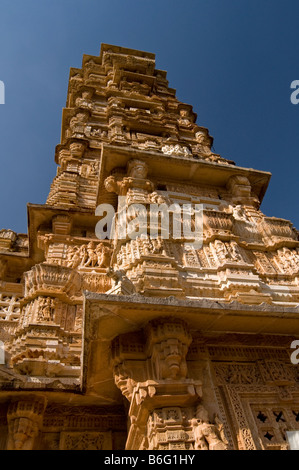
[146,342]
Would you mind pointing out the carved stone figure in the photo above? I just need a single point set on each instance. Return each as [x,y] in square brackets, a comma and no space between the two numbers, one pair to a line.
[156,198]
[204,143]
[77,123]
[184,118]
[92,258]
[235,252]
[73,257]
[135,186]
[221,251]
[77,149]
[103,255]
[137,169]
[289,261]
[125,383]
[89,169]
[240,214]
[168,350]
[24,421]
[121,281]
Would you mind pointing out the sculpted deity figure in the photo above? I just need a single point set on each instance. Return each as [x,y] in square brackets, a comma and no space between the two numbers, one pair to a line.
[84,100]
[24,420]
[123,381]
[23,430]
[91,255]
[46,312]
[184,118]
[206,435]
[239,213]
[135,185]
[102,253]
[168,350]
[73,258]
[238,374]
[77,149]
[221,251]
[149,246]
[113,185]
[204,143]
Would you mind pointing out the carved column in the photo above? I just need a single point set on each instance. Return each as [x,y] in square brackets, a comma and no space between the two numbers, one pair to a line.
[165,409]
[24,422]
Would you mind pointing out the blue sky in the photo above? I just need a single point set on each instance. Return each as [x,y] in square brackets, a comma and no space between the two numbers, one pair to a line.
[233,60]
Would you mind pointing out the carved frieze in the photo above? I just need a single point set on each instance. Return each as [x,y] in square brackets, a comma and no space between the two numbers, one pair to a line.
[24,421]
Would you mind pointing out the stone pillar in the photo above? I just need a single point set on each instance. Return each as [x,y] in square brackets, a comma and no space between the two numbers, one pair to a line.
[24,418]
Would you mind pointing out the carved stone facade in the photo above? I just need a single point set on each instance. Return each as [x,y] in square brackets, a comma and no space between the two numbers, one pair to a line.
[147,342]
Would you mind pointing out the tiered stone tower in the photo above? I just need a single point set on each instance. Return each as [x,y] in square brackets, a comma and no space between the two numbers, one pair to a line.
[147,342]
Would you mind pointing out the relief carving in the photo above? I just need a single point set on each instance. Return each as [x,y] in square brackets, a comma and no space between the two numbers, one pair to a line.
[135,185]
[288,260]
[176,149]
[91,255]
[207,436]
[124,133]
[167,344]
[46,310]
